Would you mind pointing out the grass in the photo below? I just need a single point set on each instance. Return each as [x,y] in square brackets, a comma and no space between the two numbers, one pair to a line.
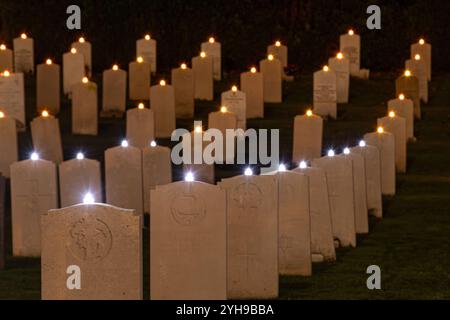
[410,244]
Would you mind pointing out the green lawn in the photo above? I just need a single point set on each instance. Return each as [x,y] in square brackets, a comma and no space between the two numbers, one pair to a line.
[411,244]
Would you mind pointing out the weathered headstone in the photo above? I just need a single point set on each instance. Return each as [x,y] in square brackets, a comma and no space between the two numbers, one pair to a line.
[91,252]
[339,172]
[341,66]
[325,98]
[146,48]
[307,142]
[424,50]
[46,136]
[48,87]
[252,237]
[183,88]
[34,191]
[78,177]
[162,101]
[236,101]
[73,69]
[272,72]
[279,51]
[397,126]
[85,48]
[6,58]
[12,96]
[139,80]
[350,46]
[319,207]
[213,49]
[202,67]
[123,177]
[385,142]
[418,69]
[188,242]
[23,54]
[2,223]
[408,85]
[252,84]
[140,126]
[84,108]
[9,152]
[114,92]
[156,170]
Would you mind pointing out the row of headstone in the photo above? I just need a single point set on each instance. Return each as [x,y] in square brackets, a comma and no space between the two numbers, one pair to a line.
[22,58]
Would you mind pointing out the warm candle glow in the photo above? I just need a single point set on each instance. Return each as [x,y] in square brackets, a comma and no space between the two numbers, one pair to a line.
[85,80]
[417,57]
[162,83]
[302,165]
[277,43]
[340,56]
[48,61]
[211,40]
[73,50]
[45,113]
[330,153]
[198,129]
[351,32]
[81,40]
[203,54]
[6,73]
[407,73]
[309,113]
[391,114]
[401,96]
[362,143]
[140,59]
[34,156]
[326,68]
[234,89]
[115,67]
[223,109]
[183,66]
[147,37]
[253,70]
[346,151]
[2,114]
[2,47]
[380,130]
[421,41]
[153,144]
[141,106]
[124,143]
[270,57]
[23,36]
[80,156]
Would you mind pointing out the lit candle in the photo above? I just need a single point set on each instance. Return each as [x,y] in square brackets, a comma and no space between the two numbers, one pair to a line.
[85,80]
[23,36]
[80,156]
[2,47]
[223,109]
[140,59]
[153,144]
[234,89]
[351,32]
[407,73]
[282,168]
[391,114]
[203,54]
[115,67]
[147,37]
[330,153]
[81,40]
[309,113]
[6,73]
[270,57]
[198,129]
[189,177]
[277,43]
[326,68]
[401,96]
[253,70]
[340,56]
[141,106]
[421,42]
[162,83]
[124,143]
[211,40]
[248,172]
[302,165]
[183,66]
[73,50]
[362,143]
[88,199]
[417,57]
[48,61]
[380,129]
[34,156]
[45,114]
[2,114]
[346,150]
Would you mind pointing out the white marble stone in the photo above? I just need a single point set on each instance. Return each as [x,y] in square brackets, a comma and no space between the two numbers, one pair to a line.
[85,48]
[140,127]
[139,80]
[404,108]
[23,55]
[236,102]
[114,91]
[252,84]
[307,141]
[214,50]
[73,70]
[183,87]
[146,48]
[324,94]
[48,87]
[341,66]
[397,126]
[203,77]
[272,80]
[350,46]
[46,136]
[12,97]
[9,152]
[162,101]
[84,108]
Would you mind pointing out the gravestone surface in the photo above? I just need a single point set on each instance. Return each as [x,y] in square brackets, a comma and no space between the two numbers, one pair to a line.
[342,69]
[85,48]
[156,170]
[252,84]
[2,223]
[397,126]
[424,50]
[162,101]
[325,98]
[103,243]
[214,50]
[252,237]
[404,108]
[202,171]
[139,80]
[12,97]
[272,80]
[34,191]
[78,177]
[9,152]
[140,127]
[350,46]
[84,108]
[183,88]
[307,142]
[188,242]
[23,55]
[114,91]
[48,88]
[339,172]
[236,102]
[146,48]
[46,136]
[123,178]
[203,78]
[222,121]
[321,230]
[280,52]
[6,60]
[73,70]
[418,69]
[409,86]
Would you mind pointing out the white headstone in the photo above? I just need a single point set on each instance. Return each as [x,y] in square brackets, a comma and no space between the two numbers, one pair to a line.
[48,87]
[46,136]
[409,86]
[223,120]
[350,46]
[162,101]
[73,69]
[213,49]
[23,54]
[34,191]
[339,172]
[202,171]
[12,97]
[139,80]
[424,50]
[404,108]
[202,67]
[272,72]
[252,237]
[85,48]
[146,48]
[341,66]
[9,152]
[123,178]
[183,88]
[325,97]
[280,52]
[418,69]
[84,108]
[140,127]
[236,102]
[6,59]
[188,242]
[114,91]
[307,142]
[78,177]
[397,126]
[252,84]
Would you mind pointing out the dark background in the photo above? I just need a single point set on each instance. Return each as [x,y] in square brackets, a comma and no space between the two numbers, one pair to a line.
[310,28]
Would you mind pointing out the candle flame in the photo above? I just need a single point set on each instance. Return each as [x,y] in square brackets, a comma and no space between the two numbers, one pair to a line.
[147,37]
[48,61]
[391,114]
[183,66]
[253,70]
[401,96]
[340,56]
[45,113]
[421,41]
[380,129]
[407,73]
[211,40]
[2,114]
[198,129]
[115,67]
[141,106]
[23,36]
[234,89]
[417,57]
[73,50]
[270,57]
[2,47]
[351,32]
[278,44]
[326,68]
[140,59]
[223,109]
[81,40]
[6,73]
[162,83]
[203,54]
[309,113]
[85,80]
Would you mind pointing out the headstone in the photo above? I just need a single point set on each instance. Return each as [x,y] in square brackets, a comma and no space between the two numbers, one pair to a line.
[188,242]
[46,136]
[84,108]
[114,91]
[183,88]
[23,54]
[341,66]
[202,67]
[372,163]
[418,69]
[339,172]
[9,152]
[307,142]
[409,86]
[223,120]
[424,50]
[213,49]
[162,100]
[252,84]
[236,101]
[156,170]
[325,98]
[91,252]
[6,59]
[146,48]
[397,126]
[34,191]
[404,108]
[319,207]
[78,177]
[48,87]
[252,237]
[272,72]
[280,52]
[73,69]
[385,142]
[123,177]
[12,97]
[85,48]
[2,223]
[203,171]
[359,191]
[139,80]
[350,46]
[140,127]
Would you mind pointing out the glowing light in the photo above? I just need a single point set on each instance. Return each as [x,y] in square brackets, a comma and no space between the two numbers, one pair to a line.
[309,113]
[2,114]
[6,73]
[421,42]
[407,73]
[270,57]
[391,114]
[45,113]
[153,144]
[248,172]
[162,83]
[203,54]
[49,61]
[277,43]
[401,96]
[2,47]
[362,143]
[380,129]
[198,129]
[282,168]
[80,156]
[81,40]
[140,59]
[223,109]
[351,32]
[253,70]
[147,37]
[331,153]
[302,165]
[141,106]
[211,40]
[326,68]
[73,50]
[346,151]
[417,57]
[124,143]
[340,56]
[85,80]
[183,66]
[115,67]
[234,89]
[189,177]
[34,156]
[23,36]
[88,198]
